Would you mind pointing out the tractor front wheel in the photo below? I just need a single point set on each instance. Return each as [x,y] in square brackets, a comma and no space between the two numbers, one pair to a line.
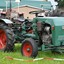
[29,48]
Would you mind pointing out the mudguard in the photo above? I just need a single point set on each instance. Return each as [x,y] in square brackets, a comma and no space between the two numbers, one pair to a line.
[7,21]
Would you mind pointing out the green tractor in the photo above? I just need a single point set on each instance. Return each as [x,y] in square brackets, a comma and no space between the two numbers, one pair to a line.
[13,32]
[48,34]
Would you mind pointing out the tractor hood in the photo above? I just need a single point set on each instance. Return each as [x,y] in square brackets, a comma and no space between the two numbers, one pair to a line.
[57,21]
[57,28]
[53,21]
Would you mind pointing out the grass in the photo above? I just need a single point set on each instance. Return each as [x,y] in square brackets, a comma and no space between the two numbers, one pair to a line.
[17,54]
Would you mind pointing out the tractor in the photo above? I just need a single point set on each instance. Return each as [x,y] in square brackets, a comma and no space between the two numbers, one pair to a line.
[48,34]
[6,35]
[12,32]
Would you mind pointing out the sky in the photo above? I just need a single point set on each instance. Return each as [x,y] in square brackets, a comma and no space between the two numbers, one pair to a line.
[53,3]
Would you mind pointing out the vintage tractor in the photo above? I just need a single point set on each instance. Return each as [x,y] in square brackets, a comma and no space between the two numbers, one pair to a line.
[48,34]
[6,35]
[21,28]
[13,32]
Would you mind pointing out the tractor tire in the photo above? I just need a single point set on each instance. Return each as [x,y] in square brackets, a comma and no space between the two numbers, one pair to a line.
[29,48]
[6,38]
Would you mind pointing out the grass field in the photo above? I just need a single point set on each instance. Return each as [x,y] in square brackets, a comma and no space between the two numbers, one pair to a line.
[17,54]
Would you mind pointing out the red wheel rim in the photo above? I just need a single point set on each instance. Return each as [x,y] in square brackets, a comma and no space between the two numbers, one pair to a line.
[3,39]
[27,49]
[30,31]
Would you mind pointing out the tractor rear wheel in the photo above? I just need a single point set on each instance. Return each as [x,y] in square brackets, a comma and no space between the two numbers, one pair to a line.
[29,48]
[6,38]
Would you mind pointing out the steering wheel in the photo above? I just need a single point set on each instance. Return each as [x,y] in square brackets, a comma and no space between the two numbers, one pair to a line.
[36,12]
[33,12]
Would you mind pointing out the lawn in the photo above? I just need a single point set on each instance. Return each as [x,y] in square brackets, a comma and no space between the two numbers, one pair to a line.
[17,54]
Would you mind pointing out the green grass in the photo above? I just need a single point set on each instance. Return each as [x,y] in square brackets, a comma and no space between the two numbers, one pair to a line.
[17,54]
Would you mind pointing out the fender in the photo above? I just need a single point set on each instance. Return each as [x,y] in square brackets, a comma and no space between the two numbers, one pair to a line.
[6,21]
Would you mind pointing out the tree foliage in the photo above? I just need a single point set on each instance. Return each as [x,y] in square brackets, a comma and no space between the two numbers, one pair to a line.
[60,3]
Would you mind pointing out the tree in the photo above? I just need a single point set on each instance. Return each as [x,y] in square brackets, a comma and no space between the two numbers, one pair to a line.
[60,3]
